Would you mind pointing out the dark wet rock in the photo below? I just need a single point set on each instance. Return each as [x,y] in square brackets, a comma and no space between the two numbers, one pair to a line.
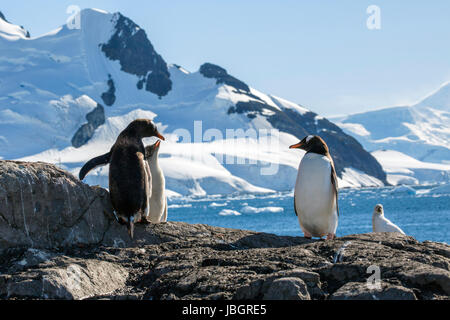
[108,97]
[95,119]
[130,46]
[210,70]
[56,230]
[345,150]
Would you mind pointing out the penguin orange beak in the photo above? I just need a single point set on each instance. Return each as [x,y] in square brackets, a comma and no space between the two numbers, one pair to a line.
[160,136]
[297,145]
[157,143]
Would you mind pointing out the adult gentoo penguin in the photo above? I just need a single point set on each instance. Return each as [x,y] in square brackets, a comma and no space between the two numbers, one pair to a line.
[381,224]
[316,190]
[158,200]
[129,174]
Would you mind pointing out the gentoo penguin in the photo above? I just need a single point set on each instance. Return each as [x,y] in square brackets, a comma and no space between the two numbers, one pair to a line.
[381,224]
[129,174]
[316,190]
[158,200]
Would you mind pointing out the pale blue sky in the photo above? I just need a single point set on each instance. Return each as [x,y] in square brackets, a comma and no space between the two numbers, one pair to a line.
[318,53]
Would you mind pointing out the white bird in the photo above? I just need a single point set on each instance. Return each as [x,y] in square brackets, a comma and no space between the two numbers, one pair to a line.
[381,224]
[158,200]
[316,190]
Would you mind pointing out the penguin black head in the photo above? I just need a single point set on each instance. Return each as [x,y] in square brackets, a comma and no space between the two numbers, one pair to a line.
[152,150]
[142,128]
[378,209]
[312,144]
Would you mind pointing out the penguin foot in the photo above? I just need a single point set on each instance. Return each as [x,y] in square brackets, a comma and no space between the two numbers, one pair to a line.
[144,220]
[307,235]
[331,236]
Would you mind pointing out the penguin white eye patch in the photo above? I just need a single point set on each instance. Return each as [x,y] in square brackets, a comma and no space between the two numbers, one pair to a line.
[309,138]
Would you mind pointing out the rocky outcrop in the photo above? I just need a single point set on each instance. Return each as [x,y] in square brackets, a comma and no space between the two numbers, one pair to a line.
[95,119]
[2,16]
[44,206]
[59,240]
[130,46]
[56,276]
[209,70]
[108,96]
[176,260]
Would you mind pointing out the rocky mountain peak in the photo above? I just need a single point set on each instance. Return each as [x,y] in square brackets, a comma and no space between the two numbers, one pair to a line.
[10,30]
[2,16]
[131,47]
[210,70]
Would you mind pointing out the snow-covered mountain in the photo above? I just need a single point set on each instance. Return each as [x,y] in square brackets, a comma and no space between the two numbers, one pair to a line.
[65,96]
[11,31]
[412,143]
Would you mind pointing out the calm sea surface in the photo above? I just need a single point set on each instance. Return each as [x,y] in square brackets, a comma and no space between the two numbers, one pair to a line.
[421,214]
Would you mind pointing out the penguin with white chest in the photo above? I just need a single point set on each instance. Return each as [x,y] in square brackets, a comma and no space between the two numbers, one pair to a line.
[316,189]
[129,173]
[158,199]
[382,224]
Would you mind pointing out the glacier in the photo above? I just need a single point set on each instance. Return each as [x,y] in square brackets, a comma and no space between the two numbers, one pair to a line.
[412,143]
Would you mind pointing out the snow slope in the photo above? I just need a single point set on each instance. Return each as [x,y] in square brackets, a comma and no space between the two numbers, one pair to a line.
[412,143]
[403,169]
[87,84]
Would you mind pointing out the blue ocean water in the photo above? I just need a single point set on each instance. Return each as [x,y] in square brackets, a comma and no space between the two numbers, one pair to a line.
[421,214]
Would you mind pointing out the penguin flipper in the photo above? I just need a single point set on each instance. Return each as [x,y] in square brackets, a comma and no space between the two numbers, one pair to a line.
[335,186]
[295,207]
[93,163]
